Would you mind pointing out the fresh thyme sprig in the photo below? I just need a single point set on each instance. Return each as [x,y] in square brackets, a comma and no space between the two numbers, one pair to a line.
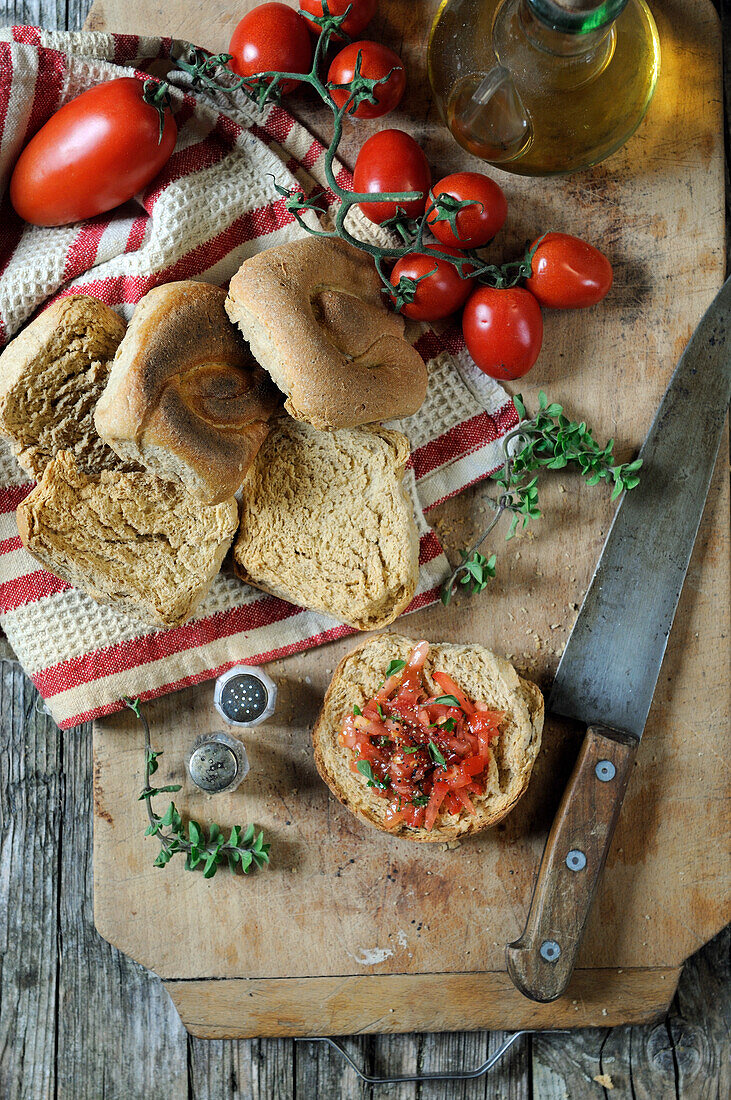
[211,73]
[550,441]
[206,849]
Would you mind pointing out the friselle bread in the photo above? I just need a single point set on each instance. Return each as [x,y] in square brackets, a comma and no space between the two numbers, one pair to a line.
[126,538]
[314,316]
[326,522]
[483,677]
[51,377]
[185,398]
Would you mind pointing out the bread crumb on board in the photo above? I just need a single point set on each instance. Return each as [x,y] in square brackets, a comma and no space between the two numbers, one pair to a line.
[604,1080]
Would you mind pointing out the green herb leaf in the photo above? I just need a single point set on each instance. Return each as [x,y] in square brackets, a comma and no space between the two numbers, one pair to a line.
[436,755]
[420,800]
[414,749]
[365,769]
[379,708]
[448,701]
[394,667]
[357,711]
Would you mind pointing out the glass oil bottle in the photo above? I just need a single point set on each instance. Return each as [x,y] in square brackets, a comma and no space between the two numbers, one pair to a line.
[543,87]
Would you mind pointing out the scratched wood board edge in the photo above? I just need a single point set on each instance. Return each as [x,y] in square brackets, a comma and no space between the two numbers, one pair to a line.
[126,27]
[237,1008]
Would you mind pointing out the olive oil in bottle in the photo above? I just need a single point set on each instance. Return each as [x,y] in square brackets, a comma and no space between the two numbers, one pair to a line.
[543,87]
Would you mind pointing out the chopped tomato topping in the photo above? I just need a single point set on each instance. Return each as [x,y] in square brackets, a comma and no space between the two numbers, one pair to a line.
[424,756]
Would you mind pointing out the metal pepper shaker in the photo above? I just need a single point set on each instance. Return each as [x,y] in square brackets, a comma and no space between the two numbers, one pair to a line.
[245,696]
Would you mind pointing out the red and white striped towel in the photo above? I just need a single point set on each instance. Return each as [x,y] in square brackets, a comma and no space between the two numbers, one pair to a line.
[213,205]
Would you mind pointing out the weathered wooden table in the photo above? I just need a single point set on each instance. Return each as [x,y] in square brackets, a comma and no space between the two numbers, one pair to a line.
[79,1020]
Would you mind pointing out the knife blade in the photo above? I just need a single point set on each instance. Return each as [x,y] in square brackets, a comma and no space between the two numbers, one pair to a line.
[607,675]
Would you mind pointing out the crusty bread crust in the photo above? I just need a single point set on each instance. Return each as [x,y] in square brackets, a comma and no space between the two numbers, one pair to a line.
[51,376]
[326,522]
[185,397]
[313,313]
[484,678]
[127,539]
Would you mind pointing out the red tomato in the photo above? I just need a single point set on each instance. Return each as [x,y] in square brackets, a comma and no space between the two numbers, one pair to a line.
[96,152]
[391,161]
[569,273]
[476,225]
[360,14]
[271,37]
[437,295]
[503,330]
[377,61]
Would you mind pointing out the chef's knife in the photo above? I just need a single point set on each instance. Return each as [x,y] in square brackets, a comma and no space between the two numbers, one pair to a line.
[607,675]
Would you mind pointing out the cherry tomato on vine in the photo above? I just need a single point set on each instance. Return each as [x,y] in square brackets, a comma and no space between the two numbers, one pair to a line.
[96,152]
[360,14]
[271,37]
[391,161]
[440,289]
[503,330]
[569,273]
[377,61]
[476,224]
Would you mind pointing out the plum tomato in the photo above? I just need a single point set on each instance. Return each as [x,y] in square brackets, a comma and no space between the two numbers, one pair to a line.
[440,289]
[569,273]
[391,161]
[93,154]
[271,37]
[377,62]
[476,224]
[503,330]
[360,14]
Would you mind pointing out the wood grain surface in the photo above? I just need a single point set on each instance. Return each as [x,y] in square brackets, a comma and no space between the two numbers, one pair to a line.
[80,1020]
[345,900]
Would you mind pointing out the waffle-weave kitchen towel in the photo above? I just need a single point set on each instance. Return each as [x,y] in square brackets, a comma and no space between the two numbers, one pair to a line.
[213,205]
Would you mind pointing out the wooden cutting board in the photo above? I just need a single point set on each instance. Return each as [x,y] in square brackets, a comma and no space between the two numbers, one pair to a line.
[349,930]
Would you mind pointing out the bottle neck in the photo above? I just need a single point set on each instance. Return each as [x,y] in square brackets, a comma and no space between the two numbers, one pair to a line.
[577,17]
[553,29]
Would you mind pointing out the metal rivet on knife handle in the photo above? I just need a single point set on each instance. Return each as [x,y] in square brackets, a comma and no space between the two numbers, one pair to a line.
[605,770]
[576,860]
[550,950]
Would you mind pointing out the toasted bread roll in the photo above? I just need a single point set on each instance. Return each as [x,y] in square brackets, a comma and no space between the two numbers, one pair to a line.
[127,539]
[482,677]
[51,377]
[313,314]
[185,398]
[326,522]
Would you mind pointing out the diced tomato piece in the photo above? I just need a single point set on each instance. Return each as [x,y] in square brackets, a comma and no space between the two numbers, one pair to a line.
[393,816]
[453,804]
[418,655]
[450,688]
[464,798]
[438,794]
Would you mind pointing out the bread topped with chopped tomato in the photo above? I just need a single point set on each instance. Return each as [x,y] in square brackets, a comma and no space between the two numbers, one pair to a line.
[429,742]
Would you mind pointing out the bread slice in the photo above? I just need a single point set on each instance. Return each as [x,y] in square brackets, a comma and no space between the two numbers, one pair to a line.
[484,678]
[185,398]
[51,377]
[313,312]
[326,522]
[127,539]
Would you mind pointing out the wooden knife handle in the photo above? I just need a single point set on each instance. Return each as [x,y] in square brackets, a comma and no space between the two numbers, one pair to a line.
[541,962]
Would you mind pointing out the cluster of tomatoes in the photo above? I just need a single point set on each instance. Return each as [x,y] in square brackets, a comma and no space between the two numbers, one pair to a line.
[275,38]
[502,326]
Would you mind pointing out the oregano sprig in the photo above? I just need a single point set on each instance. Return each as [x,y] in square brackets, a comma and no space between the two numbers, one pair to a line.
[205,848]
[550,441]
